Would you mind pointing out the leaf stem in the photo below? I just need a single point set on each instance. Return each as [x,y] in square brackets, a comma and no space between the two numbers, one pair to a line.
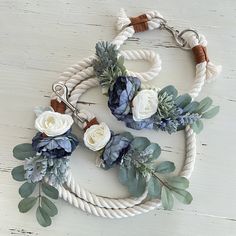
[39,196]
[153,174]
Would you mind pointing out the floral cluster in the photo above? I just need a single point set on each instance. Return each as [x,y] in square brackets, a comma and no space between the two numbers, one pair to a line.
[46,162]
[53,144]
[136,158]
[146,108]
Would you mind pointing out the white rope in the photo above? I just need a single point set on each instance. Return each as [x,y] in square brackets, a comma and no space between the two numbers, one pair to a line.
[78,79]
[102,202]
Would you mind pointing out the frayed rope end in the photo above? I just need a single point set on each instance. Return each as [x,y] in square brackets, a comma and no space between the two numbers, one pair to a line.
[212,71]
[122,20]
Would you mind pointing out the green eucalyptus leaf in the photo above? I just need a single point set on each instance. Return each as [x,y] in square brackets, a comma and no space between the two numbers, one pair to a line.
[204,104]
[178,182]
[50,191]
[137,186]
[154,188]
[22,151]
[18,173]
[165,167]
[120,61]
[191,107]
[131,173]
[153,151]
[183,100]
[211,113]
[167,198]
[197,126]
[123,174]
[49,206]
[26,204]
[26,189]
[170,90]
[140,143]
[128,135]
[182,195]
[42,217]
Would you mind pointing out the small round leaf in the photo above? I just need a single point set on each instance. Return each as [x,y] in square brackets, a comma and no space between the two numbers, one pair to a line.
[22,151]
[49,206]
[43,217]
[50,191]
[178,182]
[165,167]
[26,204]
[167,198]
[18,173]
[182,195]
[26,189]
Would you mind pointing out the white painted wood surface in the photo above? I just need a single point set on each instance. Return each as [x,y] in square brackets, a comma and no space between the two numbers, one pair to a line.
[38,39]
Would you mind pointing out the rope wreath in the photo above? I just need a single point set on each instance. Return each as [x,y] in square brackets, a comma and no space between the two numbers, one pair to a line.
[56,140]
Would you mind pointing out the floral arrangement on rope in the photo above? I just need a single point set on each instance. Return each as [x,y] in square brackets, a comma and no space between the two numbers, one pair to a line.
[46,163]
[139,169]
[146,108]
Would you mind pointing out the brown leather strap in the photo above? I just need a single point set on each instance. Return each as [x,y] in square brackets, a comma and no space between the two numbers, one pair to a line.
[200,54]
[58,106]
[139,23]
[91,123]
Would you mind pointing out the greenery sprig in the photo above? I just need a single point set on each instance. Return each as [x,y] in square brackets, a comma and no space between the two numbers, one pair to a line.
[46,208]
[109,65]
[139,170]
[175,112]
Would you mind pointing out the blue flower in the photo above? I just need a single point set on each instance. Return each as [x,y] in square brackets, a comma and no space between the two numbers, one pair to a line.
[121,94]
[116,149]
[55,147]
[143,124]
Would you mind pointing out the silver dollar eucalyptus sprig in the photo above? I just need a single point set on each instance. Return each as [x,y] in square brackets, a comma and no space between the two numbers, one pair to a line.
[139,169]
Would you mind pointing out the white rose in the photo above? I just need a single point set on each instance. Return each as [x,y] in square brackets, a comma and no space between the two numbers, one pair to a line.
[53,123]
[97,136]
[144,104]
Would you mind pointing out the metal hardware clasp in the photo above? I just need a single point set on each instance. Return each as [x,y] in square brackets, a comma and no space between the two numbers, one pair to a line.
[178,35]
[62,93]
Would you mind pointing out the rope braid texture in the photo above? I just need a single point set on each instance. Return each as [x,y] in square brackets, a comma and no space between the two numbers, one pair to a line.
[79,78]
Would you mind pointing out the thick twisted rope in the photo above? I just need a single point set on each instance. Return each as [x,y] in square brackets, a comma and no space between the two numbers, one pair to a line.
[78,80]
[119,204]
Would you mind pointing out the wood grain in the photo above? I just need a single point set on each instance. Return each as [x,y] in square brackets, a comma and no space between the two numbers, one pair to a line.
[40,38]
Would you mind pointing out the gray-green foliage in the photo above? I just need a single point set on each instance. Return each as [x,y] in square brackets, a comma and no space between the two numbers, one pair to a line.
[43,217]
[206,111]
[140,170]
[22,151]
[18,173]
[50,191]
[175,187]
[57,170]
[46,208]
[26,204]
[175,112]
[108,65]
[26,189]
